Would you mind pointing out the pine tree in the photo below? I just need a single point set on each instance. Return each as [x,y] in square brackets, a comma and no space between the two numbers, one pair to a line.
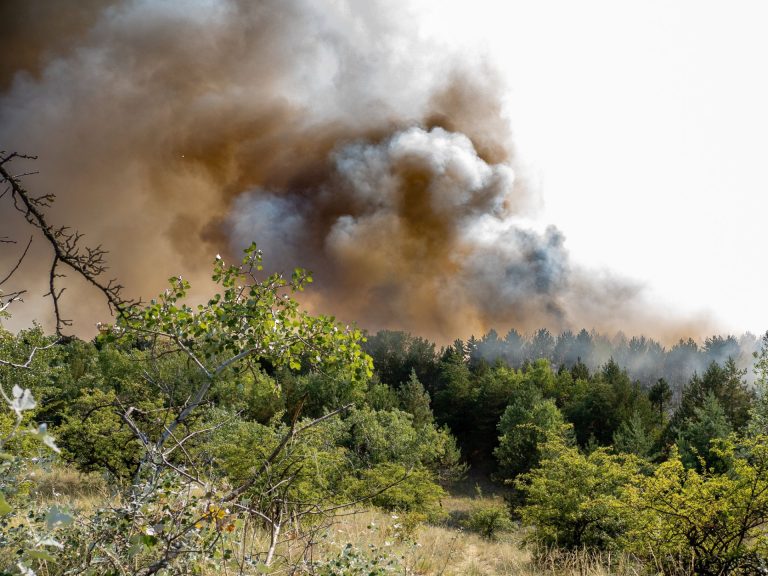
[414,399]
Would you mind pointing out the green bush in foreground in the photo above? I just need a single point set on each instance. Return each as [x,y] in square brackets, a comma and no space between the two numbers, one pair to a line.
[714,522]
[394,487]
[574,500]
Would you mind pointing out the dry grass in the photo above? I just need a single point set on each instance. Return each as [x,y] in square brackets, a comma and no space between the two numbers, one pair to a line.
[422,549]
[62,484]
[446,551]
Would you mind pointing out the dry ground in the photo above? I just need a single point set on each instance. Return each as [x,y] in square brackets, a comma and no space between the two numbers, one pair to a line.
[422,549]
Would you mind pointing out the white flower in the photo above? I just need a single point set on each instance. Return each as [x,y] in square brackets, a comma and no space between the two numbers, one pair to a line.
[22,400]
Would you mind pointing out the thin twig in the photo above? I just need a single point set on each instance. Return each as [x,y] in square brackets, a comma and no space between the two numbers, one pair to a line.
[18,262]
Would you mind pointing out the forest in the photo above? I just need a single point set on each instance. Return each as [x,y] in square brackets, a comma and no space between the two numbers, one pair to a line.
[240,435]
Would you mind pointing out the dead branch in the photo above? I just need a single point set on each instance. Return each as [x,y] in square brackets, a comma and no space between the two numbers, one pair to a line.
[18,262]
[66,244]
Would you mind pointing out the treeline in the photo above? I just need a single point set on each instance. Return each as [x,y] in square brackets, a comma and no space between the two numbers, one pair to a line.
[645,359]
[473,384]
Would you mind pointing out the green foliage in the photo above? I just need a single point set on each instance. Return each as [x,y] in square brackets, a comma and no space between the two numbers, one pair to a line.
[600,407]
[415,400]
[310,468]
[318,393]
[759,411]
[489,521]
[96,438]
[252,393]
[633,437]
[397,354]
[389,436]
[659,395]
[524,427]
[708,422]
[456,394]
[354,458]
[394,487]
[574,500]
[726,383]
[42,372]
[385,436]
[380,396]
[715,521]
[539,375]
[249,318]
[494,390]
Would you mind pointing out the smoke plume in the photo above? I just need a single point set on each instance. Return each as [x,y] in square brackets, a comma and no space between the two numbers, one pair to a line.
[331,133]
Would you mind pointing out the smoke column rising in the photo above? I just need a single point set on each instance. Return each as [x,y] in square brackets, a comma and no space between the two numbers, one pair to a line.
[330,133]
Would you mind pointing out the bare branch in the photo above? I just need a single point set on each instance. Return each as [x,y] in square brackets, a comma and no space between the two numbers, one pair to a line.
[87,262]
[31,356]
[10,299]
[18,262]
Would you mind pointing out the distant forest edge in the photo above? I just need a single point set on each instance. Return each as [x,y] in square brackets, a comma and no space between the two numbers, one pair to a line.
[645,359]
[613,391]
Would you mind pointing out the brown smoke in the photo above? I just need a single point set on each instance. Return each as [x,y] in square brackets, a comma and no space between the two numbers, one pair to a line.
[36,31]
[326,132]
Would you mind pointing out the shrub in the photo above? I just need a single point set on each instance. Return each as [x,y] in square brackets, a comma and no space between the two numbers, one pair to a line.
[524,427]
[394,487]
[574,500]
[489,521]
[351,562]
[715,522]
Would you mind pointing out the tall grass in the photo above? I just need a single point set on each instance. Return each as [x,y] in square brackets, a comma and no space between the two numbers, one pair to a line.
[421,549]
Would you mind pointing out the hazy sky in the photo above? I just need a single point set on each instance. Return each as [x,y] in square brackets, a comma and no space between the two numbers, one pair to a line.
[644,127]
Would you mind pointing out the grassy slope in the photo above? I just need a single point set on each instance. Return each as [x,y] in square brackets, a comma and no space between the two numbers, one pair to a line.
[444,550]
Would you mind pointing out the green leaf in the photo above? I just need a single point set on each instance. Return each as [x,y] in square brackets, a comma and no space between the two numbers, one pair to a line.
[5,508]
[41,555]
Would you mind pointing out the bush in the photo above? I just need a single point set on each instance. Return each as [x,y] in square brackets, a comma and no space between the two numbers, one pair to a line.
[394,487]
[574,500]
[489,521]
[95,438]
[714,522]
[524,427]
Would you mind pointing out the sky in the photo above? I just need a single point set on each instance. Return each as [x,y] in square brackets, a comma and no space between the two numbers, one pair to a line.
[443,167]
[644,128]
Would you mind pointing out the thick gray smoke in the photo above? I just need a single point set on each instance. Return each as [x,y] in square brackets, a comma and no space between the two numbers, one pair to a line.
[328,132]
